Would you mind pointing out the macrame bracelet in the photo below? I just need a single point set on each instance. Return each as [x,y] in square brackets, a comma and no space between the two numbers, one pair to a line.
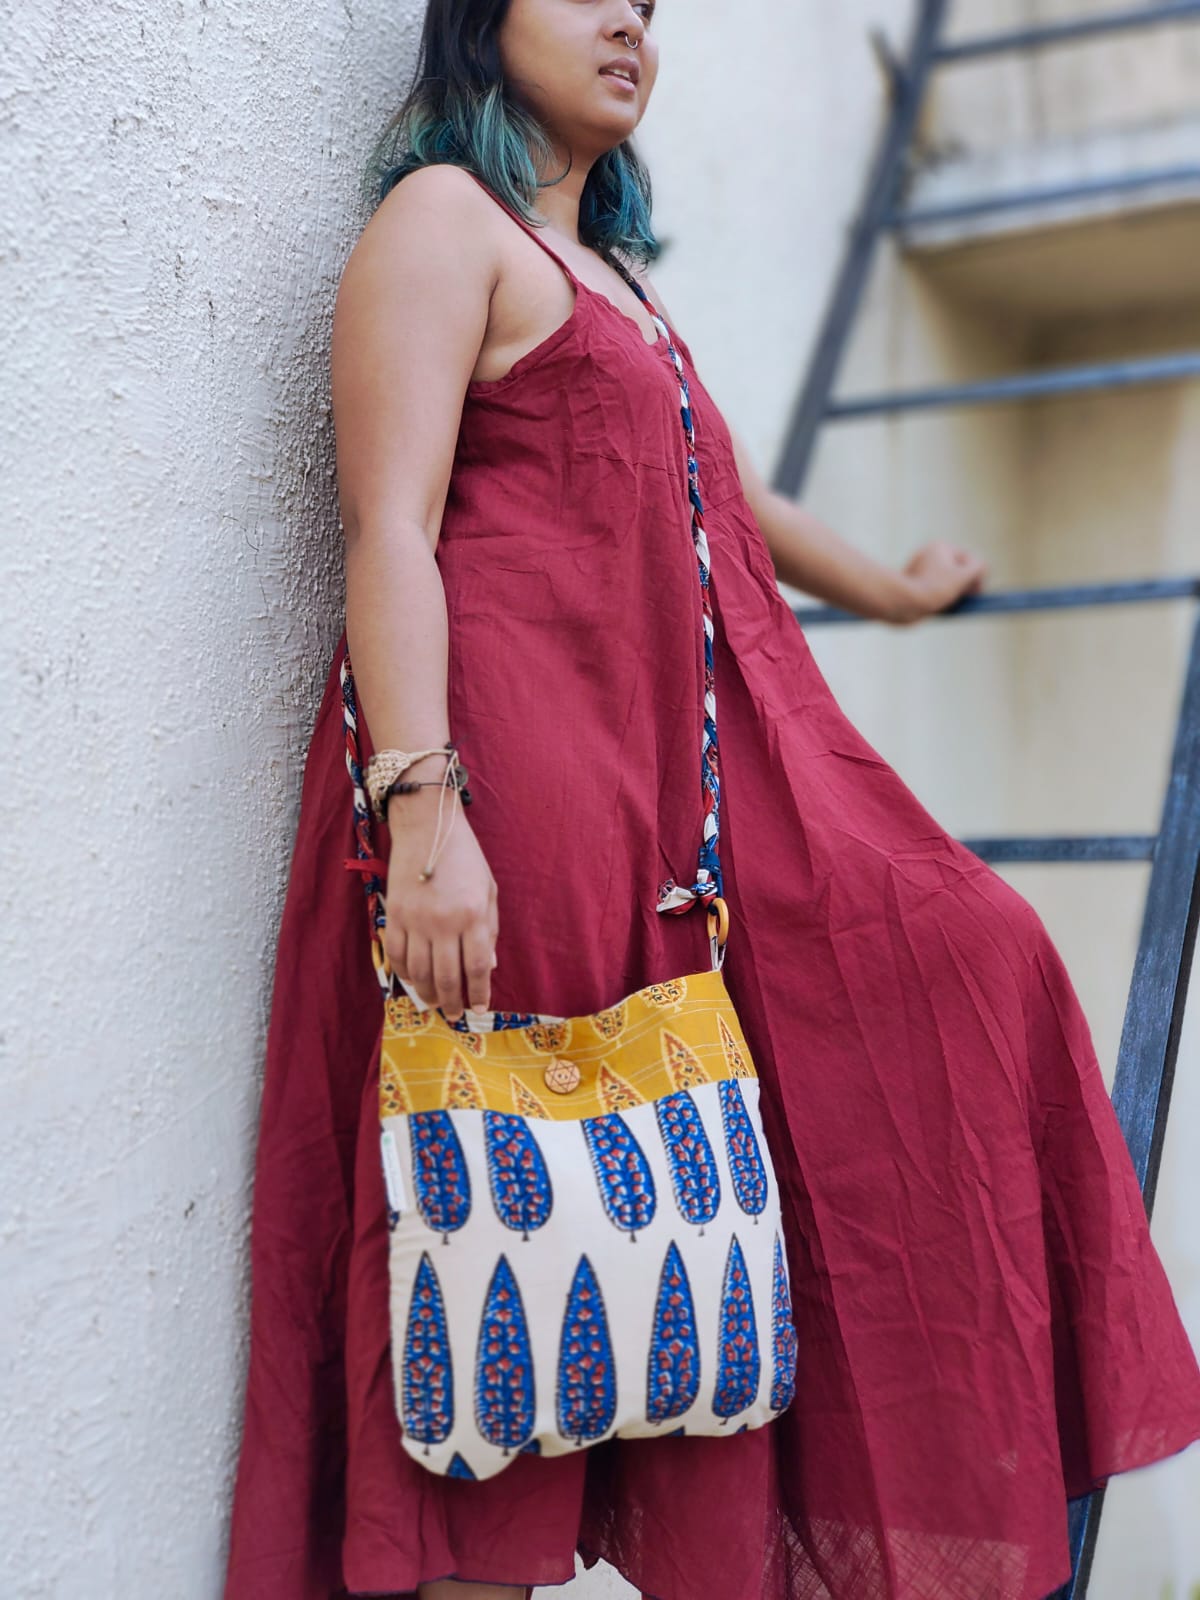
[392,764]
[385,766]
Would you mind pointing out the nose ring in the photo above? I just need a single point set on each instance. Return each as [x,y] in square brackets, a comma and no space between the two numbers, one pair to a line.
[632,43]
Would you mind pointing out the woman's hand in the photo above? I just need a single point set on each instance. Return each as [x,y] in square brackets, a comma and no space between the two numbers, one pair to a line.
[933,578]
[441,934]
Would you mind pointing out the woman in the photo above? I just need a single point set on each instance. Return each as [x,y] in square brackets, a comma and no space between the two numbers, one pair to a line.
[985,1327]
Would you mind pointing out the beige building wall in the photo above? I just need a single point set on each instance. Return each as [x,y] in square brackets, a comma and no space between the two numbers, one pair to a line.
[1122,80]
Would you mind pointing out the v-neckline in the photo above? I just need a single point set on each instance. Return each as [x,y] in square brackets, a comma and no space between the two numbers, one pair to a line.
[651,344]
[577,282]
[599,294]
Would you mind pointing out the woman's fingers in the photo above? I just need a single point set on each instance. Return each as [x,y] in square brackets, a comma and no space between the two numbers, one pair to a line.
[395,944]
[419,955]
[946,572]
[975,572]
[447,976]
[449,969]
[478,945]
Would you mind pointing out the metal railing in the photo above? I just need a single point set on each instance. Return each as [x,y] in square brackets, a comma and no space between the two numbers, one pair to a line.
[1166,944]
[1120,183]
[1077,31]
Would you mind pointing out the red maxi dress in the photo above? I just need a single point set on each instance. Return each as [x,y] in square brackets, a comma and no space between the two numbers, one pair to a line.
[985,1327]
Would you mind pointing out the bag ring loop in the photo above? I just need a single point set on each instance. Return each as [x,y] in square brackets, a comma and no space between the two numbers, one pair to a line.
[718,921]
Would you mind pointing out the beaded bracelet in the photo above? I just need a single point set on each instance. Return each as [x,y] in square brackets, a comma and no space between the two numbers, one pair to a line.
[458,780]
[390,765]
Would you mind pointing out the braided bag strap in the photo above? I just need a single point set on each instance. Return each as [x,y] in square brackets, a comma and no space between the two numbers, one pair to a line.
[707,888]
[364,860]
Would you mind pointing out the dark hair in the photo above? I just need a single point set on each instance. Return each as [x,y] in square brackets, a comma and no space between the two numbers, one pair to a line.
[459,112]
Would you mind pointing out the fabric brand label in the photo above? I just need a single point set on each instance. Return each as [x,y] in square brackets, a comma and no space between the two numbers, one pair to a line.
[392,1174]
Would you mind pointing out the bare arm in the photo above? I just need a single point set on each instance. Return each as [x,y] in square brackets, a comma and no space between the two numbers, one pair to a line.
[809,555]
[410,316]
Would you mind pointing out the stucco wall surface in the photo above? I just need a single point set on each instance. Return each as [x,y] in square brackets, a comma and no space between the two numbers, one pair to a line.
[182,189]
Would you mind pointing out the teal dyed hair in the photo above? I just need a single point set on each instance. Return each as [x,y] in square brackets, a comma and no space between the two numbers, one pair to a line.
[457,112]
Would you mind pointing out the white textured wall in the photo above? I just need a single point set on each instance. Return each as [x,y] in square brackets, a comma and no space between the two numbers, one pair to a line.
[182,190]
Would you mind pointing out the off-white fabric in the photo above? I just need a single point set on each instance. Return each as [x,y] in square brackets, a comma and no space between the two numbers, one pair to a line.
[627,1265]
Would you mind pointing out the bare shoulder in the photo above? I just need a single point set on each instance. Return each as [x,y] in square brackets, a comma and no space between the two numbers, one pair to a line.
[409,321]
[436,218]
[412,308]
[440,189]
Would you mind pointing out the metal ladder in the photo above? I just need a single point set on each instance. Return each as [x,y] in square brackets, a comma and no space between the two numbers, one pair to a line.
[1154,1010]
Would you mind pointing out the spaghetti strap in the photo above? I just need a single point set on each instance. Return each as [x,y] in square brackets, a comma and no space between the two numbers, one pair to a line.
[533,232]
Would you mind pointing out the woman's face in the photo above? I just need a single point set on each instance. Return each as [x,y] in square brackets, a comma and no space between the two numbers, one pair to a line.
[555,54]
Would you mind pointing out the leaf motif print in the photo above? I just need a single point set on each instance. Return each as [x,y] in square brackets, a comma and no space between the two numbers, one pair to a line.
[461,1089]
[427,1387]
[403,1015]
[551,1036]
[784,1344]
[517,1171]
[684,1067]
[504,1389]
[735,1055]
[524,1099]
[394,1099]
[458,1468]
[694,1175]
[622,1172]
[610,1022]
[745,1158]
[587,1385]
[614,1093]
[737,1343]
[674,1369]
[669,993]
[441,1182]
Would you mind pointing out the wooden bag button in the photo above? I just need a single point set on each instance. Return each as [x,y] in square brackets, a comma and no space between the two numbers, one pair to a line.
[561,1076]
